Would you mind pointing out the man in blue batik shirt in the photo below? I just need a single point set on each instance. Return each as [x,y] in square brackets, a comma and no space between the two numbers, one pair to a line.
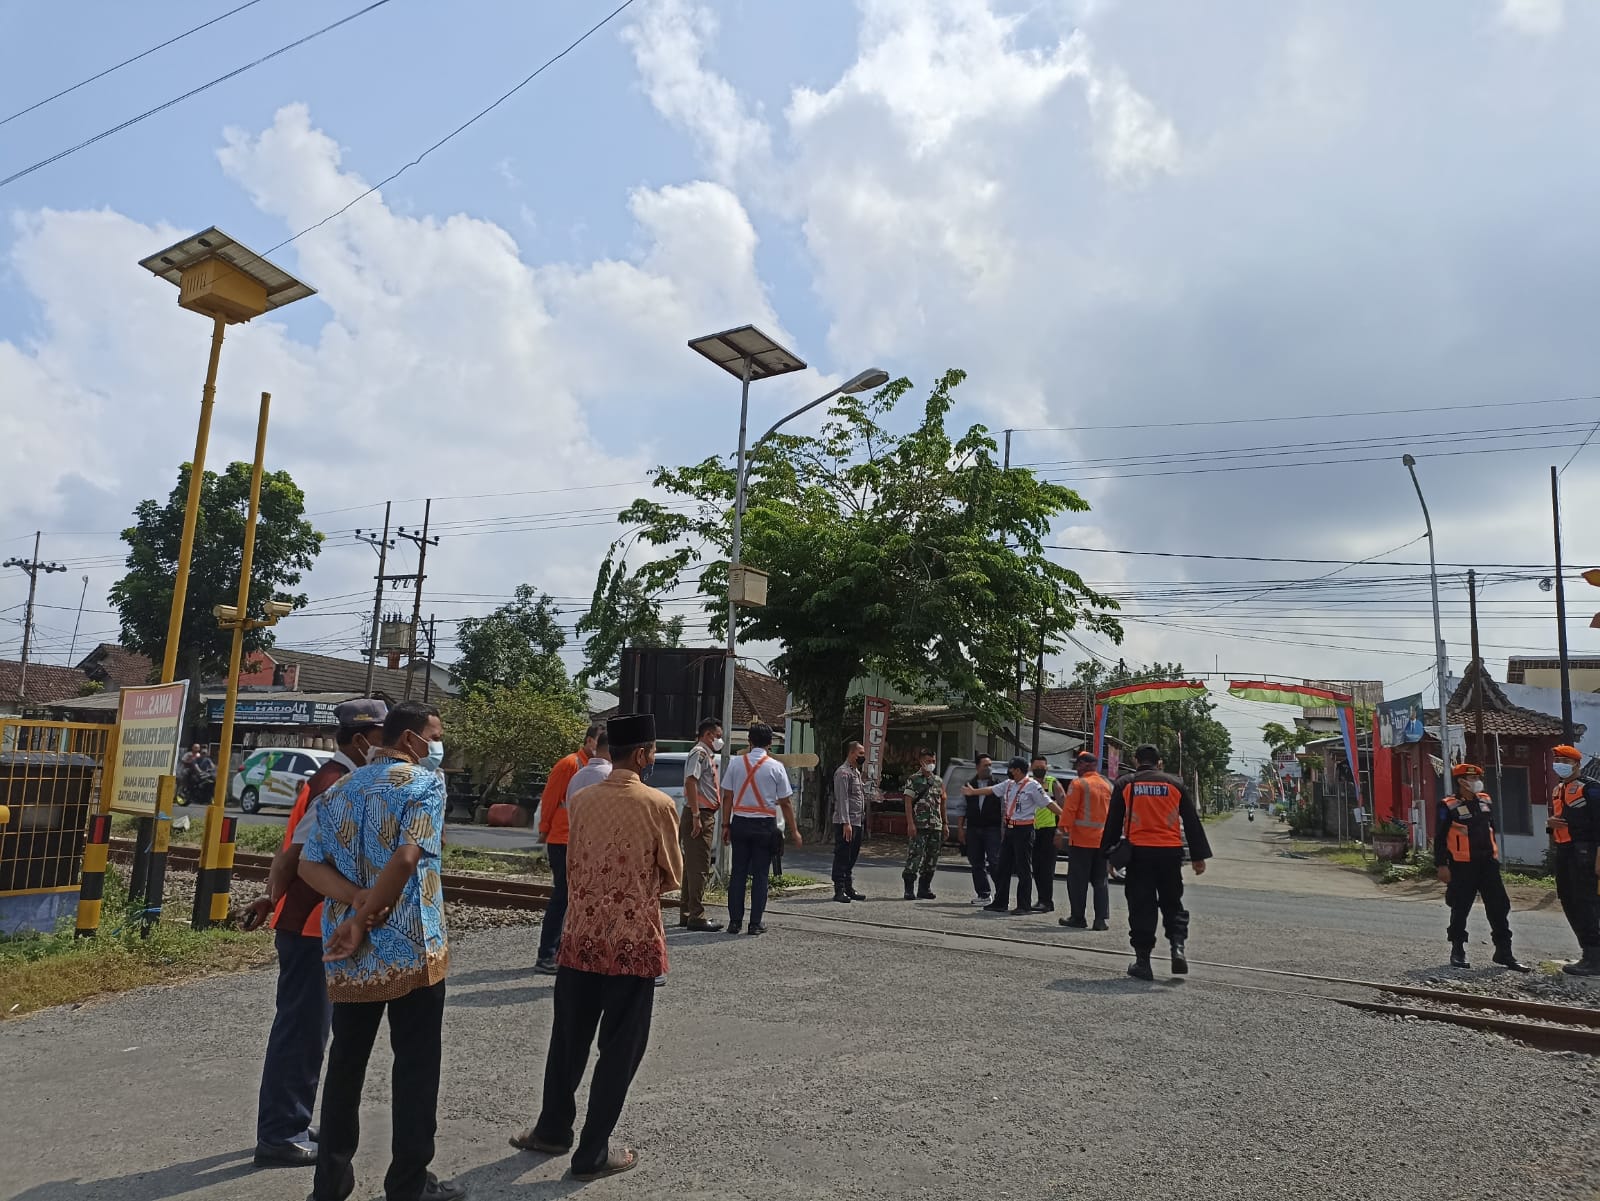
[374,853]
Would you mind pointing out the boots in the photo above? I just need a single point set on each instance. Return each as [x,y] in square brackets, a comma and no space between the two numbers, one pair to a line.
[1504,957]
[1140,968]
[911,893]
[1589,965]
[1458,955]
[850,891]
[841,894]
[925,888]
[1180,961]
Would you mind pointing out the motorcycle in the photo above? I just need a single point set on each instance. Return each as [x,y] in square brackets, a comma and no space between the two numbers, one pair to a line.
[1251,816]
[196,787]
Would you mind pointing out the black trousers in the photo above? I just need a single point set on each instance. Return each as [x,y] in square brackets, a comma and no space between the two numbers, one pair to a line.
[1016,859]
[416,1032]
[845,853]
[299,1036]
[1086,869]
[1575,886]
[1155,885]
[751,839]
[983,855]
[555,913]
[1044,865]
[619,1009]
[1468,882]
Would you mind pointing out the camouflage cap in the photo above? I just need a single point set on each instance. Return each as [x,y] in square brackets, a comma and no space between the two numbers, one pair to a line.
[357,714]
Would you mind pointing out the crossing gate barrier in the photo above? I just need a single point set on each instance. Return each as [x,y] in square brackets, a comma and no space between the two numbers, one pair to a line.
[50,785]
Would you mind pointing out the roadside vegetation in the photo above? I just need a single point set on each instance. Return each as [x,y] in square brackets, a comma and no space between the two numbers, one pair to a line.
[1416,869]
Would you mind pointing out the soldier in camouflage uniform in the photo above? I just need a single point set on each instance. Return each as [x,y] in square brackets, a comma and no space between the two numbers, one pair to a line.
[925,825]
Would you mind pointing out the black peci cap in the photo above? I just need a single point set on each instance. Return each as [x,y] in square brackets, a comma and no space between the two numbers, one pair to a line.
[631,729]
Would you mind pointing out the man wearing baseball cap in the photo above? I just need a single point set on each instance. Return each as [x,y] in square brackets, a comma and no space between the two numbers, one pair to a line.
[284,1137]
[1575,825]
[1468,859]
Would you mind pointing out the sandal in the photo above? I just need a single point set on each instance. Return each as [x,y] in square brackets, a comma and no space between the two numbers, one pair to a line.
[529,1141]
[616,1163]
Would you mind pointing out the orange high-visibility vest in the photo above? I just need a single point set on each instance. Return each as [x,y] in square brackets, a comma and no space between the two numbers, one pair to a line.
[1153,819]
[757,807]
[1088,802]
[1565,793]
[1457,840]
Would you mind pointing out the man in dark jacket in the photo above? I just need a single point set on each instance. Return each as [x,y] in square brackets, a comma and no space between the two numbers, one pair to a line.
[980,832]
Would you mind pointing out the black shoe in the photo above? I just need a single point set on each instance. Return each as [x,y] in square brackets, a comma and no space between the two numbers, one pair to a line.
[1043,908]
[1458,955]
[1506,959]
[735,927]
[704,926]
[1140,969]
[911,888]
[996,907]
[1072,923]
[854,895]
[1100,923]
[1180,961]
[285,1155]
[925,889]
[841,896]
[442,1190]
[1021,909]
[1589,965]
[757,929]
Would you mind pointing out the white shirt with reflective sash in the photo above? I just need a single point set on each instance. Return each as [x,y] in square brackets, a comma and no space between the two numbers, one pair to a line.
[758,782]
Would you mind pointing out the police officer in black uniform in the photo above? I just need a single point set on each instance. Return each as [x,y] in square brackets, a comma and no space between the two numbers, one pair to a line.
[1468,859]
[1159,815]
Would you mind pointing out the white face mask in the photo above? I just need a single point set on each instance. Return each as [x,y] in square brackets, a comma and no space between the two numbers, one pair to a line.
[716,744]
[1474,784]
[1562,770]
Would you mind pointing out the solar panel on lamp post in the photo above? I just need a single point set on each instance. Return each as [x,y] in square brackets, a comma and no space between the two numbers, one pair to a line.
[749,354]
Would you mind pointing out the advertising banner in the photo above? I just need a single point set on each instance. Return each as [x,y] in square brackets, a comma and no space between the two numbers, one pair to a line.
[149,727]
[1400,720]
[875,736]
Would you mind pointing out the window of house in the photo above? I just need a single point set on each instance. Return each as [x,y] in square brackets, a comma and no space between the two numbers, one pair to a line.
[1515,810]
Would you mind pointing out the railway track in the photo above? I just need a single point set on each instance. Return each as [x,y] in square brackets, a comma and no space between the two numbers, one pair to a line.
[489,892]
[1539,1024]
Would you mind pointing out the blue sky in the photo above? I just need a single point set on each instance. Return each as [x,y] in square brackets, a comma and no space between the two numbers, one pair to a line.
[1112,214]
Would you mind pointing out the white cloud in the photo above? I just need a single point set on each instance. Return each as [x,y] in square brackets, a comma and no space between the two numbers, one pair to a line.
[1537,17]
[669,42]
[440,364]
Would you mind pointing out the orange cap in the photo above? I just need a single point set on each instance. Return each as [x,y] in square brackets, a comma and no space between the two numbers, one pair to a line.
[1567,752]
[1466,769]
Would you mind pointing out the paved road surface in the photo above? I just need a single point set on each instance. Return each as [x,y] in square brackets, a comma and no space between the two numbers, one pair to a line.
[829,1061]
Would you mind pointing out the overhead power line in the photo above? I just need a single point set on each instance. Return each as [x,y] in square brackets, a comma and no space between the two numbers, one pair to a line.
[131,121]
[22,112]
[1172,554]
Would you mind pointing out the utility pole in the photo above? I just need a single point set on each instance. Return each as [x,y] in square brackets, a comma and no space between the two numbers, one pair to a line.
[72,649]
[422,542]
[382,544]
[427,680]
[33,567]
[1477,699]
[1561,610]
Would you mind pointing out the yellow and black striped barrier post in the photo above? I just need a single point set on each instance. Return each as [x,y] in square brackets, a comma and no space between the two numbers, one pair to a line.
[92,883]
[156,880]
[218,880]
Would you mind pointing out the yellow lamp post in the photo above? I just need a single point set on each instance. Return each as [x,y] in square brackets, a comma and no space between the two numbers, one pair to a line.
[229,283]
[211,885]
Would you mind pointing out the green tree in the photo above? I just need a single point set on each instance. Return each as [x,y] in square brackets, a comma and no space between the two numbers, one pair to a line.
[517,645]
[622,614]
[1186,731]
[511,734]
[913,554]
[286,546]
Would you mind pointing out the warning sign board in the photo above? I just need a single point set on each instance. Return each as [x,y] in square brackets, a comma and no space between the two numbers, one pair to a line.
[149,726]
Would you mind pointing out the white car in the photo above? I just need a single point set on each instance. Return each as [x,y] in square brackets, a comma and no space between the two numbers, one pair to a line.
[272,775]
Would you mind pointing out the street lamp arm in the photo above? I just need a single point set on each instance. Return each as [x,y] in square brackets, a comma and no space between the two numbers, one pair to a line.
[783,421]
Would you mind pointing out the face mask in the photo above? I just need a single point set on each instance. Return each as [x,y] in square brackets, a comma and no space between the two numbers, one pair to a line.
[1473,783]
[1562,770]
[716,744]
[434,757]
[927,769]
[646,770]
[983,774]
[1038,773]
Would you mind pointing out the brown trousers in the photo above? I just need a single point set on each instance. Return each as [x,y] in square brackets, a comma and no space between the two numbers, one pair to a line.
[696,862]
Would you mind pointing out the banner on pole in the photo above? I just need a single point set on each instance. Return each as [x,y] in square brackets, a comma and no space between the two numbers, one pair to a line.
[874,735]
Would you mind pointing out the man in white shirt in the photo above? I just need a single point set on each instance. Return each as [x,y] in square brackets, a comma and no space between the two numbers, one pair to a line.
[757,788]
[592,772]
[1022,797]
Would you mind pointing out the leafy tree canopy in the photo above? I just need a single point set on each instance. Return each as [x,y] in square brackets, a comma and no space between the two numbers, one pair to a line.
[915,555]
[510,735]
[286,546]
[518,645]
[622,614]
